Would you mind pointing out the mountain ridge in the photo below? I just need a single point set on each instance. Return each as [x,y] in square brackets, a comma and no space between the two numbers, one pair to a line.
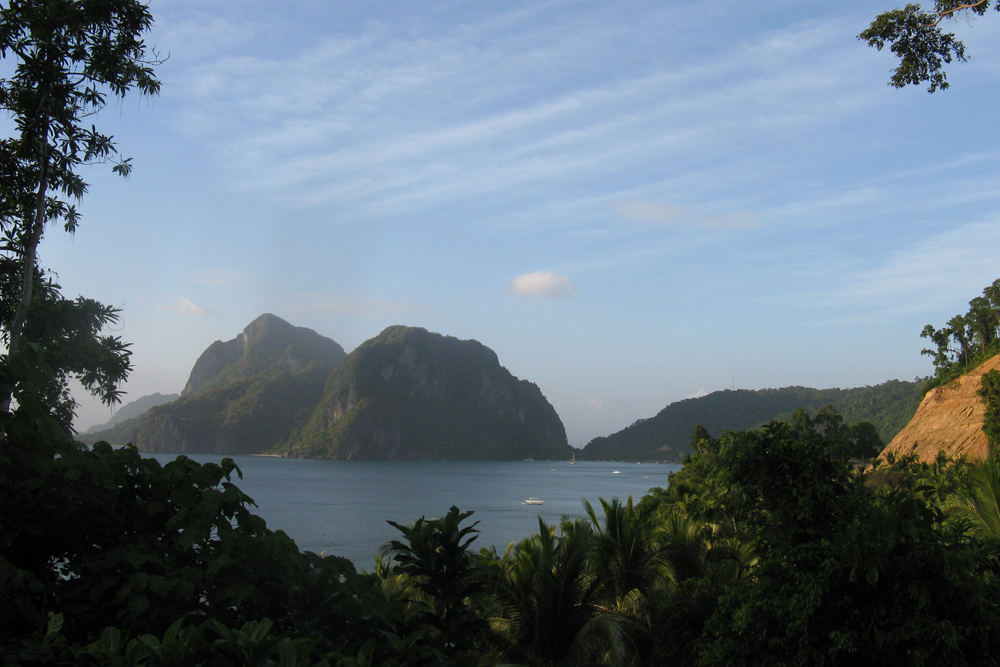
[666,436]
[133,409]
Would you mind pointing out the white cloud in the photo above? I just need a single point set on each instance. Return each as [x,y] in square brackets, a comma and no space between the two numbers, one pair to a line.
[185,307]
[698,394]
[543,284]
[591,402]
[641,210]
[348,305]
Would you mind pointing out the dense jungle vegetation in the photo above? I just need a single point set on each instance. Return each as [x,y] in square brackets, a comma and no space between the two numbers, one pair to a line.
[768,548]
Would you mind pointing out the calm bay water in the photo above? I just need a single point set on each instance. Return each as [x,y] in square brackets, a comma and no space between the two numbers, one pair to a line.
[341,507]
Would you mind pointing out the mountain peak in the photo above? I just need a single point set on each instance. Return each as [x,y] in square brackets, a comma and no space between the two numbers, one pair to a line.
[266,341]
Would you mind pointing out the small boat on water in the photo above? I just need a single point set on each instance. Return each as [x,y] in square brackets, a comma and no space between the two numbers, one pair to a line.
[617,472]
[533,501]
[573,462]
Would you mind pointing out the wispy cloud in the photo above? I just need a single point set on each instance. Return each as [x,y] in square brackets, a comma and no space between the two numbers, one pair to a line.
[305,304]
[591,402]
[380,122]
[951,266]
[698,394]
[659,213]
[185,306]
[542,284]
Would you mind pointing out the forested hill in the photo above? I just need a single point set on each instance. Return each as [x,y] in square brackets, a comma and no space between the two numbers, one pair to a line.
[889,406]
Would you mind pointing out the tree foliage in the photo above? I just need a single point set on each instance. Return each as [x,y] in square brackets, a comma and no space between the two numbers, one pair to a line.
[917,37]
[67,57]
[966,340]
[989,391]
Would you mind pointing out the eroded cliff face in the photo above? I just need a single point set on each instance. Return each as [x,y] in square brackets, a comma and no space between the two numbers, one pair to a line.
[949,420]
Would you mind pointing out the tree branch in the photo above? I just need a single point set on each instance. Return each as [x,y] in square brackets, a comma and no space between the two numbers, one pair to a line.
[948,12]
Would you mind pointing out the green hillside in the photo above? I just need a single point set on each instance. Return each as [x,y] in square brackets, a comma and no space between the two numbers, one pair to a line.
[889,406]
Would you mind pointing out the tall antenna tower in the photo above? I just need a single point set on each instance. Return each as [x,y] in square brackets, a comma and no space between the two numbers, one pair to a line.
[734,383]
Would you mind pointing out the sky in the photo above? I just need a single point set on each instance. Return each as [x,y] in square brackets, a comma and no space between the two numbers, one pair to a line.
[631,203]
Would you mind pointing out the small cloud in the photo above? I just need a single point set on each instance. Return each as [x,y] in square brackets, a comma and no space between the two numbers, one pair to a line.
[591,402]
[219,278]
[698,394]
[541,283]
[658,213]
[185,307]
[347,305]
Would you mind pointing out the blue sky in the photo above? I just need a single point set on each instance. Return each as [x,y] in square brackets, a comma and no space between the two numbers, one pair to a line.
[630,202]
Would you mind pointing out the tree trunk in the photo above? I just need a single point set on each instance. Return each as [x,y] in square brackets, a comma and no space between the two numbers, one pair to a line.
[31,247]
[30,251]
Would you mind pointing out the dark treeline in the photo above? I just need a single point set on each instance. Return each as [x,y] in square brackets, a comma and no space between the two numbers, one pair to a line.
[768,548]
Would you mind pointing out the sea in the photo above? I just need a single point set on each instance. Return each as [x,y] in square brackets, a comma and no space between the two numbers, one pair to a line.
[341,507]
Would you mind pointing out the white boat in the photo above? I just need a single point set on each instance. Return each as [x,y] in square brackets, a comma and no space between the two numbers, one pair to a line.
[533,501]
[573,462]
[617,472]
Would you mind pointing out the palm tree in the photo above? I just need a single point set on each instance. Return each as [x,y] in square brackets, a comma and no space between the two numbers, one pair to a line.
[624,551]
[637,546]
[547,603]
[981,506]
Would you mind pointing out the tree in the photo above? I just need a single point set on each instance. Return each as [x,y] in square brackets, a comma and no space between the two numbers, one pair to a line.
[69,333]
[967,340]
[989,391]
[848,574]
[918,39]
[436,555]
[70,56]
[981,503]
[548,607]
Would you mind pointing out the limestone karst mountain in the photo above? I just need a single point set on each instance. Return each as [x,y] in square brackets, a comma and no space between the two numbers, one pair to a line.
[412,394]
[949,420]
[405,394]
[243,396]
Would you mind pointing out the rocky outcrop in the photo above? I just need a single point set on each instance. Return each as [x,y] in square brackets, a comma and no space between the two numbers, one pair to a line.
[949,420]
[413,394]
